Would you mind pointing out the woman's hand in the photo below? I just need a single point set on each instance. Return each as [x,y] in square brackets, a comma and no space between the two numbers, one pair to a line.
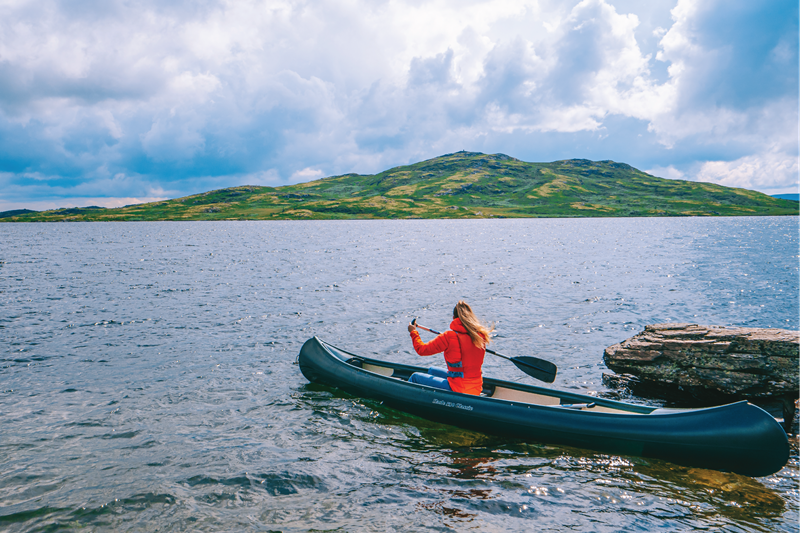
[411,328]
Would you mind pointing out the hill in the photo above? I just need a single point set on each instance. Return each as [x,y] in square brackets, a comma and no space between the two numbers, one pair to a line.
[459,185]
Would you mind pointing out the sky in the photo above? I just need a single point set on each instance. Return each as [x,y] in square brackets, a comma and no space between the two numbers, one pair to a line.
[115,102]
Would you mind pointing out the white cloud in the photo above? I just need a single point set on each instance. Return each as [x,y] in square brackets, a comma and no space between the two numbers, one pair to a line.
[307,174]
[669,172]
[774,173]
[188,95]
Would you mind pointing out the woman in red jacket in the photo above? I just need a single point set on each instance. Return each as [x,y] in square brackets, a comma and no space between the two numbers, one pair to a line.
[463,346]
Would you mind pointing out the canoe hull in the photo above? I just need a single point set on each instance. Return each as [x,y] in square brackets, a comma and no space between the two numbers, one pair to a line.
[738,437]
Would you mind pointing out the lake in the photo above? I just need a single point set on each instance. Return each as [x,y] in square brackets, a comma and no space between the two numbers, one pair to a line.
[148,376]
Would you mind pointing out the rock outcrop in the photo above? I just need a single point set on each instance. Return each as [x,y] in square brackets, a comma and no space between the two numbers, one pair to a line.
[707,365]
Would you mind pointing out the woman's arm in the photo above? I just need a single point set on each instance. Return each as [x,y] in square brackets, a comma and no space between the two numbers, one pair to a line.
[437,345]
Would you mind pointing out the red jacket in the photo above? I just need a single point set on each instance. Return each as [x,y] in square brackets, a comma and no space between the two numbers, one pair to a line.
[464,359]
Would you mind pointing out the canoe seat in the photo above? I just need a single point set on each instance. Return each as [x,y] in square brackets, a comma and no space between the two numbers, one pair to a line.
[604,409]
[504,393]
[382,370]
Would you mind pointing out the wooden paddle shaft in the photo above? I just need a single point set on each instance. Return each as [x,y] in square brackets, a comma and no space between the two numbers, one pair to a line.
[420,326]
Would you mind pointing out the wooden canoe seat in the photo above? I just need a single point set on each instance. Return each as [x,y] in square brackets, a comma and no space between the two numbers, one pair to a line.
[514,395]
[382,370]
[604,409]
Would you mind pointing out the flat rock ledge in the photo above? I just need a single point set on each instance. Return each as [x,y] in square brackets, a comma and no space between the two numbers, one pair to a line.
[708,365]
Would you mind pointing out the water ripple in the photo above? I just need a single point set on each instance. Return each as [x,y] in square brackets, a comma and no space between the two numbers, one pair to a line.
[148,377]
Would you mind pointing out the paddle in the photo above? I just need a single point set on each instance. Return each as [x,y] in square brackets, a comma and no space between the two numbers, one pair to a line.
[533,366]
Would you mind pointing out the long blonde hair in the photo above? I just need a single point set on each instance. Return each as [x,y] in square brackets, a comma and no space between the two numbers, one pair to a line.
[479,333]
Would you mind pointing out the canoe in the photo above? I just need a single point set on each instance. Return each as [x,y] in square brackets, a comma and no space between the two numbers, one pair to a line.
[738,437]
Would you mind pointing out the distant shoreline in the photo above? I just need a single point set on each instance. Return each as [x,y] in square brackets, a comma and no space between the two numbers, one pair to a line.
[565,217]
[463,185]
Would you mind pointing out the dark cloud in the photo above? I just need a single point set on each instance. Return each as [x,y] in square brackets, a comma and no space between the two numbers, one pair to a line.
[432,71]
[508,67]
[751,53]
[579,56]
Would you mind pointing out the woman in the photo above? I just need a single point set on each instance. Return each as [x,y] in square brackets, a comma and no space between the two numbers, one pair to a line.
[464,347]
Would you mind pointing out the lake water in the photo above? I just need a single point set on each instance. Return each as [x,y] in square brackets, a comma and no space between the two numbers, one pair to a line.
[148,376]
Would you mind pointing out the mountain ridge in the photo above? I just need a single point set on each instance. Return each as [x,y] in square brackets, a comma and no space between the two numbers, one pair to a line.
[458,185]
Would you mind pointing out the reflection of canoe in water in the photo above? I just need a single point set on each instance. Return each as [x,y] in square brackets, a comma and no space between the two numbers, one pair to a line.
[738,437]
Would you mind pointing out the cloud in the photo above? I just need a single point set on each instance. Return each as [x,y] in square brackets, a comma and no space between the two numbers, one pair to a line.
[180,96]
[748,172]
[777,169]
[307,174]
[670,173]
[733,74]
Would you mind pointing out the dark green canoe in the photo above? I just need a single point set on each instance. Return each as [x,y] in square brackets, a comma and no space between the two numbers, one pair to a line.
[738,437]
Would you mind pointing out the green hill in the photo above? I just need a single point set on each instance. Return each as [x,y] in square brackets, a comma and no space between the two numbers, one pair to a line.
[460,185]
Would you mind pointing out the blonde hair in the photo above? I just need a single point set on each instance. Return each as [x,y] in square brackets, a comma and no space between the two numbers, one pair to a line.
[479,333]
